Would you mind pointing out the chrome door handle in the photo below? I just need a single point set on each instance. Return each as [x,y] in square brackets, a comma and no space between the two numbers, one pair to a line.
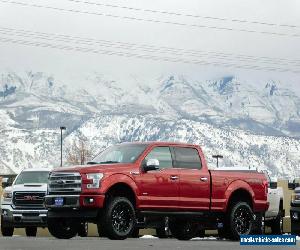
[174,177]
[203,179]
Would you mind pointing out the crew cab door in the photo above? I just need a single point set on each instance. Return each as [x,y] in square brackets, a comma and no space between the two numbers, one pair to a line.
[194,181]
[158,189]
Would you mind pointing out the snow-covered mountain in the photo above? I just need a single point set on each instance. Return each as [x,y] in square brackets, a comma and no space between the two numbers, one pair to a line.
[251,124]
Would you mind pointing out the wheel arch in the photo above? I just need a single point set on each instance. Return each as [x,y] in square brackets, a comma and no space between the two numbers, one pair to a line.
[121,188]
[239,191]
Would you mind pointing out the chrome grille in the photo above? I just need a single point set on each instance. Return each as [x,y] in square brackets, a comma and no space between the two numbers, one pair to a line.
[28,199]
[64,183]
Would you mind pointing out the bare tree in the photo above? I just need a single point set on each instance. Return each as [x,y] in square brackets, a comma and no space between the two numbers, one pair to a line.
[79,151]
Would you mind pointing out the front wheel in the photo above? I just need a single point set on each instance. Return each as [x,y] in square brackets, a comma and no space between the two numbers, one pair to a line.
[31,231]
[62,228]
[118,219]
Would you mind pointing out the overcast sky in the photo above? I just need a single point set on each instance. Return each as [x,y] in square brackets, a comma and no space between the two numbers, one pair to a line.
[282,14]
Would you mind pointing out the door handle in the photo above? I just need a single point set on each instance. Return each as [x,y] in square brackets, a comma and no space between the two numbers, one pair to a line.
[203,179]
[174,177]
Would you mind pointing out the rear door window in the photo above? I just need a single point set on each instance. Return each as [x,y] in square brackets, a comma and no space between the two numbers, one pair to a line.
[187,158]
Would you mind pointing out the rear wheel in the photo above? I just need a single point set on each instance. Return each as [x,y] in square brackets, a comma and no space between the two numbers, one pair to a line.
[101,231]
[31,231]
[163,231]
[183,229]
[118,220]
[240,220]
[277,224]
[62,228]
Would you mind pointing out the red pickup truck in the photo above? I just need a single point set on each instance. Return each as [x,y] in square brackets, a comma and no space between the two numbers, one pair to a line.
[138,185]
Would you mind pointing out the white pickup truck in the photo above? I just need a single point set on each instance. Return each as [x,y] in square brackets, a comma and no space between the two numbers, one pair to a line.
[22,204]
[274,215]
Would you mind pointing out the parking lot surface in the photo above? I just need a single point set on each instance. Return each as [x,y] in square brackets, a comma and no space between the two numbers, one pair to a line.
[96,243]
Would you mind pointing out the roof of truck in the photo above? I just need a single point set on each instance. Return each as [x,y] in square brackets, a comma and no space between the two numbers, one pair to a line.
[161,143]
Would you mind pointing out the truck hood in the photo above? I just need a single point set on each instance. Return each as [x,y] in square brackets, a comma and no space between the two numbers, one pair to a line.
[101,168]
[30,187]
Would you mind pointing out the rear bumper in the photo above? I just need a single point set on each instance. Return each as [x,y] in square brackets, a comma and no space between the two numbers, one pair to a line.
[12,217]
[75,201]
[295,220]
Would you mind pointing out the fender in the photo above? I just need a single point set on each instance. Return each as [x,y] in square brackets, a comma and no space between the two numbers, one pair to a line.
[113,179]
[238,185]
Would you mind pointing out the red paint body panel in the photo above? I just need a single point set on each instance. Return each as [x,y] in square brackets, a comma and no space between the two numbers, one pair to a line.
[195,189]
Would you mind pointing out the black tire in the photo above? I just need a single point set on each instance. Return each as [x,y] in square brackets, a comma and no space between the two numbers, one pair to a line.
[277,224]
[201,233]
[7,231]
[62,228]
[118,220]
[101,231]
[223,233]
[259,224]
[83,229]
[240,220]
[135,233]
[183,229]
[31,231]
[163,231]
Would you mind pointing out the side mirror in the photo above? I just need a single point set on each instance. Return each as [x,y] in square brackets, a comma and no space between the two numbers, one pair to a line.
[273,185]
[5,183]
[151,164]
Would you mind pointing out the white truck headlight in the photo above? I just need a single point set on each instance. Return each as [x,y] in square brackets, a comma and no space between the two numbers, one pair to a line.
[95,180]
[7,195]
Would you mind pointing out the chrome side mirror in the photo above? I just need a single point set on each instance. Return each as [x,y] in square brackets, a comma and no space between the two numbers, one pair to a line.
[151,164]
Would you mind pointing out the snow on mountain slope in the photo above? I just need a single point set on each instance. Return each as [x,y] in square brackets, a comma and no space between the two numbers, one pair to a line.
[250,124]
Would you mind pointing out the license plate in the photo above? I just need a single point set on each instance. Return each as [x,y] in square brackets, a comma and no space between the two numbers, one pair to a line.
[59,201]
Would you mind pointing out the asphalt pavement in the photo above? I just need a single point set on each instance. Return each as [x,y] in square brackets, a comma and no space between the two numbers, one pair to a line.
[96,243]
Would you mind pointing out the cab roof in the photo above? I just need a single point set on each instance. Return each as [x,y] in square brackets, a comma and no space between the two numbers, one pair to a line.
[161,143]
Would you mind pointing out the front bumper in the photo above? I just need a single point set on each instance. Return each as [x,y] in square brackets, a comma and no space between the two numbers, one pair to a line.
[13,217]
[75,201]
[295,219]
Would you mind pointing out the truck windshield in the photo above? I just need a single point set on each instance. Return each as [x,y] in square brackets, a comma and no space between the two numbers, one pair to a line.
[32,177]
[123,153]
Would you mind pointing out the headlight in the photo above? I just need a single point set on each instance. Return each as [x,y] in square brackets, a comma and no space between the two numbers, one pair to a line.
[94,179]
[295,197]
[7,195]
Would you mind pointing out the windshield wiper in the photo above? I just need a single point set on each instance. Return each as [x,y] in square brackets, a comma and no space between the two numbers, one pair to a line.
[102,162]
[92,163]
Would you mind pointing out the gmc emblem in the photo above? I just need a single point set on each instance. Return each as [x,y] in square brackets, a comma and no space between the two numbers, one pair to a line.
[30,198]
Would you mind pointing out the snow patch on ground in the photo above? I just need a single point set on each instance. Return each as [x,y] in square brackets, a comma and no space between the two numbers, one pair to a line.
[205,238]
[148,237]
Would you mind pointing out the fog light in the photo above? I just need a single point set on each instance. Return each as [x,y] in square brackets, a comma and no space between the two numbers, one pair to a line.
[89,200]
[295,216]
[4,212]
